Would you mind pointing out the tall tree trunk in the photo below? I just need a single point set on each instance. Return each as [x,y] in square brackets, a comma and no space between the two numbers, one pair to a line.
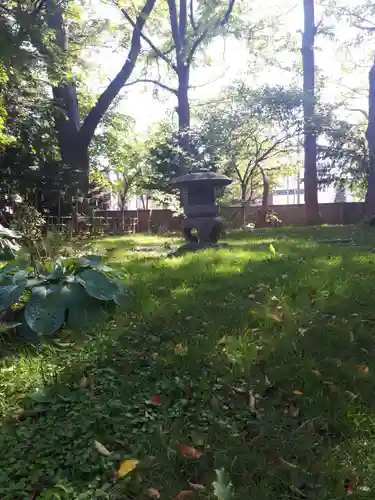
[67,118]
[310,149]
[183,111]
[262,212]
[369,207]
[243,204]
[74,140]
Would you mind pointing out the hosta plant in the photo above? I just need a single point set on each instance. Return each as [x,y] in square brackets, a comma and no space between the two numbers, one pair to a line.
[72,291]
[9,243]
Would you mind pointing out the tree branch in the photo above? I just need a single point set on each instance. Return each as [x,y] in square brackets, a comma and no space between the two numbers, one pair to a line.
[183,24]
[158,52]
[191,16]
[364,113]
[272,148]
[96,113]
[155,82]
[219,22]
[364,28]
[358,17]
[174,26]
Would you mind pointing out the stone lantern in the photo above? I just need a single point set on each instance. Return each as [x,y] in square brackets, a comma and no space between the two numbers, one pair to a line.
[198,195]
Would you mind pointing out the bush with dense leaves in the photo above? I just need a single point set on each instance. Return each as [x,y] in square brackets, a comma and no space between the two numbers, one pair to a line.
[71,292]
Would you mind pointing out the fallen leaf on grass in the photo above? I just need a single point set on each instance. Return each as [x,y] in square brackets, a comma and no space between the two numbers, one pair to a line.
[102,449]
[127,466]
[196,487]
[19,414]
[153,493]
[331,385]
[277,316]
[185,494]
[316,372]
[351,394]
[156,400]
[238,390]
[190,452]
[251,401]
[267,381]
[298,492]
[298,393]
[364,369]
[85,382]
[180,348]
[348,486]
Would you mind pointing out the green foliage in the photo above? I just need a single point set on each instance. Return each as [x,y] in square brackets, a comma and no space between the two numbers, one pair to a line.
[163,155]
[123,154]
[30,64]
[249,129]
[72,291]
[223,487]
[343,157]
[29,223]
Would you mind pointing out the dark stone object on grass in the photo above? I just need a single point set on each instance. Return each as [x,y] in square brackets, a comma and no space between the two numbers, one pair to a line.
[198,197]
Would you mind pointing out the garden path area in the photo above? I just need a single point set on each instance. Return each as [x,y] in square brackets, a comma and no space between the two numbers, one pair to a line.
[258,358]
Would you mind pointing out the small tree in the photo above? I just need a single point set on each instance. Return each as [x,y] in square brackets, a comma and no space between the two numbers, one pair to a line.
[343,156]
[250,130]
[163,157]
[123,154]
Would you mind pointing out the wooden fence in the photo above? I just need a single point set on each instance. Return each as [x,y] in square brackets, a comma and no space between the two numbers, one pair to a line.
[110,223]
[154,221]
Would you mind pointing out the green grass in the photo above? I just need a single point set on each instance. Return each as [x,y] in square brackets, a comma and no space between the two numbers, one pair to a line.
[296,330]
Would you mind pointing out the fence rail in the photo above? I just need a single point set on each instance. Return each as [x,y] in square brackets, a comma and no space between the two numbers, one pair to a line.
[102,224]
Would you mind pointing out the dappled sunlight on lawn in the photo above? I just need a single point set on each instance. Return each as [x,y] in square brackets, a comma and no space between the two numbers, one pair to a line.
[262,361]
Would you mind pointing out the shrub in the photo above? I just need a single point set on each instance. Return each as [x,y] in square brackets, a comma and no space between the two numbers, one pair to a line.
[29,222]
[72,291]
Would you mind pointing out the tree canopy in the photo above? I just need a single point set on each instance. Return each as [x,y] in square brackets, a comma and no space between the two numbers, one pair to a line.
[66,127]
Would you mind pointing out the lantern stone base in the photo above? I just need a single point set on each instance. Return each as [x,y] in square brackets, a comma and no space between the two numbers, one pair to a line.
[208,229]
[207,232]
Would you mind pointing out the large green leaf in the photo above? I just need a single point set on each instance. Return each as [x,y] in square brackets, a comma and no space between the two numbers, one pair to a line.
[45,311]
[122,297]
[10,293]
[83,310]
[89,260]
[97,284]
[58,271]
[20,276]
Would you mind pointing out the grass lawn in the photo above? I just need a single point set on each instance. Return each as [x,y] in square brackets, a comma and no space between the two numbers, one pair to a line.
[263,362]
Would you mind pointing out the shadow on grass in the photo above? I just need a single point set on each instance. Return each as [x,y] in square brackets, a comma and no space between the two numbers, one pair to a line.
[297,329]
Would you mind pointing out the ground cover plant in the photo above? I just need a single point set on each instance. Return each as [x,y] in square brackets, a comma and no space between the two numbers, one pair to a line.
[246,372]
